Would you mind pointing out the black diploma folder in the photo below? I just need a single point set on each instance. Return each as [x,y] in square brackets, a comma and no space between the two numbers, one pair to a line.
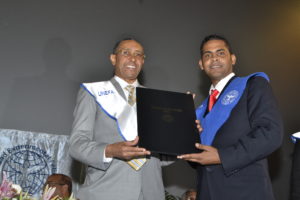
[166,121]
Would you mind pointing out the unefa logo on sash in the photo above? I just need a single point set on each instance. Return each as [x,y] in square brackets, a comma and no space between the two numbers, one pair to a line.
[28,166]
[106,92]
[230,97]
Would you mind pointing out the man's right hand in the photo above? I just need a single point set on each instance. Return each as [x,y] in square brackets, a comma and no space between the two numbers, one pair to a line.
[125,150]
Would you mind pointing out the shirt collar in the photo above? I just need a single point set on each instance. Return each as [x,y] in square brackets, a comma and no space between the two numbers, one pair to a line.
[222,83]
[123,83]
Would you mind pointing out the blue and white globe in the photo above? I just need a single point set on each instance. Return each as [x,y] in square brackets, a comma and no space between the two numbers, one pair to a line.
[27,168]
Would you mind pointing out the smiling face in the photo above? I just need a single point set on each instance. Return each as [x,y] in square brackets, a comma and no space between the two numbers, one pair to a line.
[128,60]
[216,60]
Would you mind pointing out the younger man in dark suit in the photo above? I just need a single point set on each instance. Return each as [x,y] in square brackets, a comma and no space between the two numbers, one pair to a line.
[241,126]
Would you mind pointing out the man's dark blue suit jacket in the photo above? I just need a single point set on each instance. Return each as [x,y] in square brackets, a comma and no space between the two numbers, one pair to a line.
[252,132]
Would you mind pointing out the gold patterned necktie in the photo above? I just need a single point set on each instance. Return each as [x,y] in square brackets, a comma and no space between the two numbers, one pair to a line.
[134,163]
[131,98]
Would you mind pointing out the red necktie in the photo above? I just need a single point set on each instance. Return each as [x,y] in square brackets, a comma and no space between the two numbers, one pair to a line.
[212,99]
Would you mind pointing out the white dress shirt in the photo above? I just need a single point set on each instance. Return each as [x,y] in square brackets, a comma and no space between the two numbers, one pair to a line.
[221,84]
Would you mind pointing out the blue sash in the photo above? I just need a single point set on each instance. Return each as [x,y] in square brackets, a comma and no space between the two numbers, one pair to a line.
[220,112]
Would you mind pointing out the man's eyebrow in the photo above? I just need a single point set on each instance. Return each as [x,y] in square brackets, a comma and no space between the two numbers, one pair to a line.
[207,52]
[129,49]
[218,50]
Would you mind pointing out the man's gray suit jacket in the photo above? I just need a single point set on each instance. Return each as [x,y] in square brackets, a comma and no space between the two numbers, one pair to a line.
[92,131]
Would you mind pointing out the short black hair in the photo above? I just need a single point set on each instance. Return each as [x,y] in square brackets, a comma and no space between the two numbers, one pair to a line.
[215,37]
[123,39]
[60,179]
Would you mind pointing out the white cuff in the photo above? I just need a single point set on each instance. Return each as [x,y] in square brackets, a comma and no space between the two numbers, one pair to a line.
[295,137]
[105,159]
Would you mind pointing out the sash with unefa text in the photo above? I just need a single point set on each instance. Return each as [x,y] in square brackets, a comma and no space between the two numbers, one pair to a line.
[213,121]
[115,106]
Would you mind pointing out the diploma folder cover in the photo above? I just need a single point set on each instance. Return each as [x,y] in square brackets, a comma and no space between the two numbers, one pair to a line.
[166,121]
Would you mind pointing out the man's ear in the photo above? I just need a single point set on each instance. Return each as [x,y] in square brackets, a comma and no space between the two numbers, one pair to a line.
[233,59]
[113,59]
[201,65]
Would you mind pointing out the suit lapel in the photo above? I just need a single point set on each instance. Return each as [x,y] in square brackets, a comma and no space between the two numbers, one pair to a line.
[118,88]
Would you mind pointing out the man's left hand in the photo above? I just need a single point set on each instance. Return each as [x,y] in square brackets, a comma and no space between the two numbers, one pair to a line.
[208,156]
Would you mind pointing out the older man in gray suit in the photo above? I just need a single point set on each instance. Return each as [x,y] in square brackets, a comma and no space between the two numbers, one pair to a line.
[104,135]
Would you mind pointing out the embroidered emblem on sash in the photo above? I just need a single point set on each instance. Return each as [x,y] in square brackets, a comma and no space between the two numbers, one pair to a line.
[230,97]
